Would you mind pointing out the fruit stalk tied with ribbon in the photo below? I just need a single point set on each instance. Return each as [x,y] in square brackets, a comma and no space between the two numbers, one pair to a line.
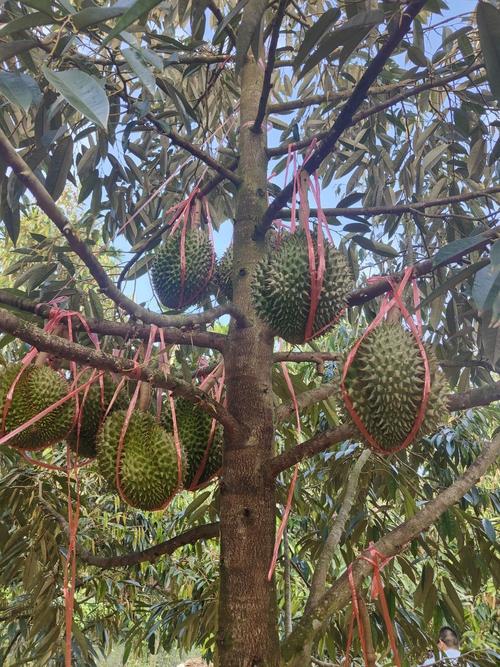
[300,288]
[390,384]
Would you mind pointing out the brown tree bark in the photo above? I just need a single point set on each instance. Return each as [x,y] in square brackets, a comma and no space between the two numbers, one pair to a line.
[248,634]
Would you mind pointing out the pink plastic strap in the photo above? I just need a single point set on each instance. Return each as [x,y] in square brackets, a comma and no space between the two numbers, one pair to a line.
[284,522]
[385,307]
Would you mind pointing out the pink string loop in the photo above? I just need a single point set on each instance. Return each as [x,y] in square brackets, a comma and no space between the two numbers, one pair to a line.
[387,304]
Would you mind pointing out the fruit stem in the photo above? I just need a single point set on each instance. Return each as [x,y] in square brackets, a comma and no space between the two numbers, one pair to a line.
[144,396]
[393,315]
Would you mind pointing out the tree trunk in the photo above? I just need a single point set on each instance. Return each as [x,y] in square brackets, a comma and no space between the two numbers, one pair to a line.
[247,633]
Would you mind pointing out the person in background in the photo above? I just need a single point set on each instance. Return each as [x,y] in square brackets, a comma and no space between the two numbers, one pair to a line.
[449,649]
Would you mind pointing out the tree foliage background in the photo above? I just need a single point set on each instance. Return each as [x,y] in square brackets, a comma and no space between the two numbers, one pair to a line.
[123,109]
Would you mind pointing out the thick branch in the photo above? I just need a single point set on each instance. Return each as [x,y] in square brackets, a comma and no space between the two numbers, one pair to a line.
[271,58]
[314,357]
[61,347]
[399,209]
[319,443]
[50,208]
[390,545]
[377,108]
[344,119]
[320,575]
[204,532]
[304,400]
[173,335]
[339,95]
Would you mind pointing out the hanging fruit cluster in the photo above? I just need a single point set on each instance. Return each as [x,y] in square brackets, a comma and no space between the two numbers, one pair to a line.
[139,460]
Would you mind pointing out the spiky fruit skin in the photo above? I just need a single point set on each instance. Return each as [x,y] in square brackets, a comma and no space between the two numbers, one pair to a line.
[194,427]
[38,388]
[223,277]
[93,410]
[281,288]
[148,464]
[166,269]
[385,383]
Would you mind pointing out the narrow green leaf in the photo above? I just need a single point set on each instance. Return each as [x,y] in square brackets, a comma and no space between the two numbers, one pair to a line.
[486,288]
[375,246]
[489,530]
[432,157]
[32,20]
[93,15]
[351,33]
[83,92]
[11,49]
[314,34]
[456,247]
[59,167]
[137,66]
[454,279]
[227,19]
[20,89]
[488,23]
[136,10]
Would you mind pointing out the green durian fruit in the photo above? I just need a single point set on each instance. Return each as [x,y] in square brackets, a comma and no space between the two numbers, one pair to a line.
[38,388]
[148,465]
[194,427]
[223,277]
[166,269]
[385,383]
[92,414]
[281,288]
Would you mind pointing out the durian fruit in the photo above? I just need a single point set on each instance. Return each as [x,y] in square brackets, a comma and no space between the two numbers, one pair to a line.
[194,427]
[166,269]
[385,383]
[148,464]
[223,277]
[281,288]
[38,388]
[93,410]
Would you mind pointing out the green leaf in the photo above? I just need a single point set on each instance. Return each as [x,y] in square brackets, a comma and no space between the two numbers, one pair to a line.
[375,246]
[83,92]
[93,15]
[490,338]
[134,59]
[32,20]
[486,288]
[489,529]
[11,49]
[432,157]
[314,34]
[454,279]
[20,89]
[477,160]
[59,167]
[495,255]
[228,18]
[136,10]
[350,35]
[488,22]
[35,275]
[456,248]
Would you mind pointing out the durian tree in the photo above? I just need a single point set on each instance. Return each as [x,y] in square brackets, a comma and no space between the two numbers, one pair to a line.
[172,118]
